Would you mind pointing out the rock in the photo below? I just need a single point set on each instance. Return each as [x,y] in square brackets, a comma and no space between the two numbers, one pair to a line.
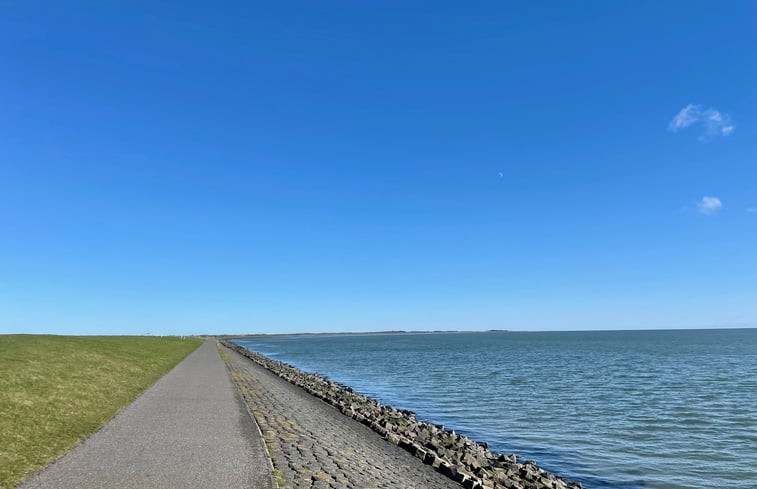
[456,456]
[393,437]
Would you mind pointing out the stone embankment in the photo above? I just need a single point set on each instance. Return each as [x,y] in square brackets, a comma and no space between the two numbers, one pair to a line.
[461,459]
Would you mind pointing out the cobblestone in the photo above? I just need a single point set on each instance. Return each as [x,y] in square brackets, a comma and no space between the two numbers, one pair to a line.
[312,445]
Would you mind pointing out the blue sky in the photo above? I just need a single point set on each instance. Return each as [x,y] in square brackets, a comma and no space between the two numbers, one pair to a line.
[187,167]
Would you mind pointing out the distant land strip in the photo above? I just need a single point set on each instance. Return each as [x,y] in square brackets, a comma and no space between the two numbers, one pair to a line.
[362,333]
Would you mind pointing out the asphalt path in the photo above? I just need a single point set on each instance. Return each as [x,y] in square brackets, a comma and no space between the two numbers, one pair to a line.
[189,430]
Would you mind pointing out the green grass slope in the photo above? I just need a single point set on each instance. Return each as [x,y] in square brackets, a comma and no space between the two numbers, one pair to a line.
[56,390]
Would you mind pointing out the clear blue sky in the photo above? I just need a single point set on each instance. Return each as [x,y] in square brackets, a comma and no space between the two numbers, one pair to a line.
[186,167]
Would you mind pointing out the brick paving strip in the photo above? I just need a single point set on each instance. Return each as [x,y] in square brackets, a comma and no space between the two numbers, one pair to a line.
[312,445]
[190,430]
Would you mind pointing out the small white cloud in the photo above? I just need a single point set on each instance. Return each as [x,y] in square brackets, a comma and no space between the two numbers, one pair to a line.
[709,206]
[686,117]
[714,122]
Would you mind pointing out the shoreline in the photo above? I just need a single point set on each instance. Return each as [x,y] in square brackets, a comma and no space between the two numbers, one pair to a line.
[397,332]
[314,446]
[400,332]
[455,456]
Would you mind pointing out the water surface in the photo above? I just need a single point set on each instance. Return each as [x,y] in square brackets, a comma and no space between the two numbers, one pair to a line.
[622,409]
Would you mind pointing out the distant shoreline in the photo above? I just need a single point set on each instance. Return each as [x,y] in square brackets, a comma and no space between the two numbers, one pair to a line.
[363,333]
[457,331]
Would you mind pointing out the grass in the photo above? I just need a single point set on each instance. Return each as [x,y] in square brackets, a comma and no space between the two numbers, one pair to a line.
[278,479]
[56,390]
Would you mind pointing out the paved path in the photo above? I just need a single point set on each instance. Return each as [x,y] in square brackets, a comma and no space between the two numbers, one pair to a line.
[315,446]
[189,430]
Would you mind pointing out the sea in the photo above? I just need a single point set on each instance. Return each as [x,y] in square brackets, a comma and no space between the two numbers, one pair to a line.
[664,409]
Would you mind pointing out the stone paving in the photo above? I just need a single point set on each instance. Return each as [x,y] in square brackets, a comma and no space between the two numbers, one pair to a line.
[312,445]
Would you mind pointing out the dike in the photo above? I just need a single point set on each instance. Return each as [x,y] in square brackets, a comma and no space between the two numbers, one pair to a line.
[456,456]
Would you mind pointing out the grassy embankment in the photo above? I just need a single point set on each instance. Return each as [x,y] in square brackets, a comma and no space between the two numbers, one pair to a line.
[56,390]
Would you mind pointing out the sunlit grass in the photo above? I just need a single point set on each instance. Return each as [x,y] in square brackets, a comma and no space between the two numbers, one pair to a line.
[56,390]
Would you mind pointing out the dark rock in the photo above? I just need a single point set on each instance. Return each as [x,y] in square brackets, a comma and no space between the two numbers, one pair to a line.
[458,457]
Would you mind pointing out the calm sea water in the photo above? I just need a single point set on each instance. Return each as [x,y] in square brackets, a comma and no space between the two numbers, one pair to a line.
[631,410]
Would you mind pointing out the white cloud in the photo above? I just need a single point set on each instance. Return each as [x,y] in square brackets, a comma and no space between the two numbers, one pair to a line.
[709,206]
[686,117]
[713,122]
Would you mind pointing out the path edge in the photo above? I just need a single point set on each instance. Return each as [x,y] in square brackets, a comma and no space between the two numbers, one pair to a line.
[241,401]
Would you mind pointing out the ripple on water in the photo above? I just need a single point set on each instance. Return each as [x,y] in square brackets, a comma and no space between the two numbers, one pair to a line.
[621,410]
